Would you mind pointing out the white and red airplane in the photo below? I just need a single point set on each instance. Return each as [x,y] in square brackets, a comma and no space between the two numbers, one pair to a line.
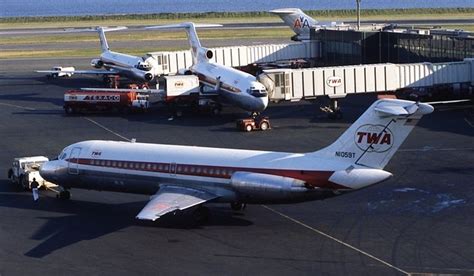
[233,86]
[111,63]
[180,177]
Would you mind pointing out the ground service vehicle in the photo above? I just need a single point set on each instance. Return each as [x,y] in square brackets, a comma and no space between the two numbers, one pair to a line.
[24,169]
[90,100]
[60,72]
[254,123]
[185,91]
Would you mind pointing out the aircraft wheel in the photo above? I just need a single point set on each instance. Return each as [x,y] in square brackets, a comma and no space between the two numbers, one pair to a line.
[264,126]
[64,195]
[201,214]
[237,206]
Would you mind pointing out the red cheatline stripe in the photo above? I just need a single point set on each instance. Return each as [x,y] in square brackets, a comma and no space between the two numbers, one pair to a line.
[318,179]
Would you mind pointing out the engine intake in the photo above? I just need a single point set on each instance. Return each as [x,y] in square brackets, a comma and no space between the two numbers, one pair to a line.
[206,53]
[148,76]
[97,63]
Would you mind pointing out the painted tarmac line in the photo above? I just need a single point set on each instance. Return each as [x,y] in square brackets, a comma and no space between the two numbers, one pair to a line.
[18,106]
[469,122]
[107,129]
[336,240]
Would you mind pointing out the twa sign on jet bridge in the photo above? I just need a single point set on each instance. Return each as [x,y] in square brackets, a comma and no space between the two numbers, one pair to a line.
[334,81]
[374,138]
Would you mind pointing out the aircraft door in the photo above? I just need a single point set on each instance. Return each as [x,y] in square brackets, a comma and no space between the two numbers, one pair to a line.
[282,86]
[73,164]
[173,169]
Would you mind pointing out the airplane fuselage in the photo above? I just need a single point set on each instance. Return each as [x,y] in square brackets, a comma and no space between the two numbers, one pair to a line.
[142,168]
[127,65]
[236,87]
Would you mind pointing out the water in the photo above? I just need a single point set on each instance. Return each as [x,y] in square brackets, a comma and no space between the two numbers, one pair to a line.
[11,8]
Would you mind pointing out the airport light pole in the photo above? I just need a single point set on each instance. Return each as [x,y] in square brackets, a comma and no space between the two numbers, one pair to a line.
[358,14]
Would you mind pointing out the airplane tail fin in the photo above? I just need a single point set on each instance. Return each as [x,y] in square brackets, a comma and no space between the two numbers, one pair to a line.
[375,137]
[104,46]
[200,54]
[296,19]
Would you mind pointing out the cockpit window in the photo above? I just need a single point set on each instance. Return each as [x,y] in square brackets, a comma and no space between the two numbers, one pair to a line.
[143,65]
[63,155]
[258,93]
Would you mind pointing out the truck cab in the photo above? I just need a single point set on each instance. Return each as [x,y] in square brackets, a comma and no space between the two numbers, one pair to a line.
[25,169]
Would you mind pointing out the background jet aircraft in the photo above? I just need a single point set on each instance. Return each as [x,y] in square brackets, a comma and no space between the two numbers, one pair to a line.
[181,177]
[300,22]
[235,87]
[142,69]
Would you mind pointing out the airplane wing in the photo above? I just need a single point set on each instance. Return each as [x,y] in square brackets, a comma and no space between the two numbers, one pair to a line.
[172,198]
[81,72]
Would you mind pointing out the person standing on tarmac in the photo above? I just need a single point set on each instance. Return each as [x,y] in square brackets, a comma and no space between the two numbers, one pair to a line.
[34,188]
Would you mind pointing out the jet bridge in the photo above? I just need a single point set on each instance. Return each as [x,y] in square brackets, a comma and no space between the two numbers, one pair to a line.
[237,56]
[337,82]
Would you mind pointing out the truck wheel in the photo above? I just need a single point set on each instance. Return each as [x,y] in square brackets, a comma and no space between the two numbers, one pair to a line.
[24,183]
[248,128]
[264,125]
[216,111]
[10,173]
[69,110]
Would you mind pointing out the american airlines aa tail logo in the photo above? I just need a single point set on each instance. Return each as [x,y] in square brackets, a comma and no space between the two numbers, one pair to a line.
[301,22]
[373,138]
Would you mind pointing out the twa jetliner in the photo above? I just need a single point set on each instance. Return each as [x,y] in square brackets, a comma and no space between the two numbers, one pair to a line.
[233,86]
[300,22]
[132,67]
[180,177]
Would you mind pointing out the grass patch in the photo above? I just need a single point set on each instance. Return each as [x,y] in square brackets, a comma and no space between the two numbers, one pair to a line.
[146,36]
[226,17]
[86,53]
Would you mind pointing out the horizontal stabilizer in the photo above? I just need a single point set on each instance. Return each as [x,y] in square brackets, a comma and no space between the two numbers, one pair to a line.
[395,109]
[286,11]
[112,29]
[183,25]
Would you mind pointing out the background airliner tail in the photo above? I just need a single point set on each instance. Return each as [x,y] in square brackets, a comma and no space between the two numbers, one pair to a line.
[375,137]
[200,54]
[296,19]
[104,46]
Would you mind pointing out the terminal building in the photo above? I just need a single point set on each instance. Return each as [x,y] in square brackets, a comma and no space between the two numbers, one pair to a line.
[392,44]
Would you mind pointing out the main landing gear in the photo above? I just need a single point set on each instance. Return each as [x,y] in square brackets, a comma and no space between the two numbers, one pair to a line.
[63,194]
[201,214]
[238,206]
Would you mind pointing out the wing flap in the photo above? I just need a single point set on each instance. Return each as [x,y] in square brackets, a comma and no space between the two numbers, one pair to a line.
[172,198]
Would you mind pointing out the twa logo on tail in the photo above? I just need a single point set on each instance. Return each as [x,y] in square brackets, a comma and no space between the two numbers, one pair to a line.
[301,22]
[374,138]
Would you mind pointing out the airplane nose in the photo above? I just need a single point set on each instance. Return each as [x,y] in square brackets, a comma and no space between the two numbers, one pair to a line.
[261,104]
[48,170]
